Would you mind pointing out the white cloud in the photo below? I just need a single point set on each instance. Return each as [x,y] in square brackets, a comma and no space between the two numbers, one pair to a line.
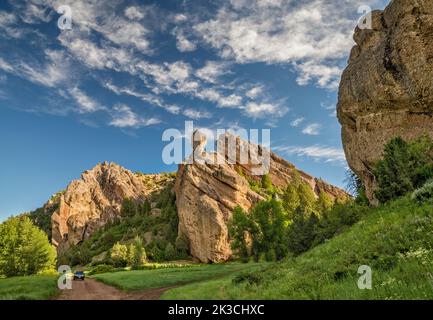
[149,98]
[328,154]
[183,44]
[134,13]
[124,117]
[5,66]
[312,129]
[54,71]
[85,103]
[326,76]
[313,35]
[196,114]
[128,34]
[297,122]
[264,110]
[212,71]
[254,92]
[9,25]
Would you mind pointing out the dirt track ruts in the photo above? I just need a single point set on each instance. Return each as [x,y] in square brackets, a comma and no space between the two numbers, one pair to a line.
[90,289]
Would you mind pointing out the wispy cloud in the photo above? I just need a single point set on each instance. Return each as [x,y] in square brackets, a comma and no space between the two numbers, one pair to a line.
[317,152]
[312,129]
[124,117]
[85,103]
[295,123]
[292,32]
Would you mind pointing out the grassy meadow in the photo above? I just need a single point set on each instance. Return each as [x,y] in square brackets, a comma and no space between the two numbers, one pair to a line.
[163,277]
[395,240]
[36,287]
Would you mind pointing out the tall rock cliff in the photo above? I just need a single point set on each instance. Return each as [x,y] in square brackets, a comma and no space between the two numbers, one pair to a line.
[96,198]
[387,88]
[207,193]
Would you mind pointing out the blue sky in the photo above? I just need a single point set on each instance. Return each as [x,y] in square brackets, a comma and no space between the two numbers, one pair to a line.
[127,70]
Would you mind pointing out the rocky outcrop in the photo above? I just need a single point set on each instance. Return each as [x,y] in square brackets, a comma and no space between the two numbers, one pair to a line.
[96,198]
[387,88]
[207,193]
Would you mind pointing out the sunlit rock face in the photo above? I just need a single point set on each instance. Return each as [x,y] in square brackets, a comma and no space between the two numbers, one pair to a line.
[387,88]
[207,193]
[95,199]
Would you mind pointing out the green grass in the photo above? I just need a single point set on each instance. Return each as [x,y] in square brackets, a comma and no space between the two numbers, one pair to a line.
[38,287]
[395,240]
[148,279]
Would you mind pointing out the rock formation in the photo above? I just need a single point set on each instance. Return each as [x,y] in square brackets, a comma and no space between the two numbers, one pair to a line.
[207,193]
[387,88]
[90,202]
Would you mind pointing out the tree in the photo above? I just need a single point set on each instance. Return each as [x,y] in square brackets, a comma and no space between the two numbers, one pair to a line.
[169,252]
[239,227]
[404,167]
[302,232]
[24,248]
[269,222]
[137,254]
[324,203]
[267,184]
[119,254]
[307,198]
[291,200]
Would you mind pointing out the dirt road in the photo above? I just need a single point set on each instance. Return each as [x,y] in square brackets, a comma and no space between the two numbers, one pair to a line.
[91,289]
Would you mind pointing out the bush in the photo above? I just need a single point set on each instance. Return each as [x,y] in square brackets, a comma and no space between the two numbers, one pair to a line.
[119,255]
[102,268]
[424,193]
[248,278]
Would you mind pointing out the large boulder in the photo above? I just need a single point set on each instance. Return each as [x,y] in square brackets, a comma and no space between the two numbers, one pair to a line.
[207,193]
[387,88]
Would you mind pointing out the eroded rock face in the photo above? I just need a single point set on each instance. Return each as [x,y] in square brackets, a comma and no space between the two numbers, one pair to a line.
[96,198]
[206,195]
[387,88]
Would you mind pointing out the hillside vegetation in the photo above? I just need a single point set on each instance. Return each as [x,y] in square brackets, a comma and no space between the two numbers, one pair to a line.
[155,227]
[395,240]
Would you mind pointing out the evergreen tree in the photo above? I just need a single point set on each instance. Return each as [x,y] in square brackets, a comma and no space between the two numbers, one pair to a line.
[392,174]
[291,200]
[307,198]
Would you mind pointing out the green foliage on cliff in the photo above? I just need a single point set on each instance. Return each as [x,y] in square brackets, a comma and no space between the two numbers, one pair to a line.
[156,227]
[289,223]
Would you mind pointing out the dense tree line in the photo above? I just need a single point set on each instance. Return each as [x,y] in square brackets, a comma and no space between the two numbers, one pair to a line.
[290,222]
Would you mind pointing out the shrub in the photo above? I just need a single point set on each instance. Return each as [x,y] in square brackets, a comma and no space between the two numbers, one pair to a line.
[119,254]
[102,268]
[137,254]
[248,278]
[169,252]
[424,193]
